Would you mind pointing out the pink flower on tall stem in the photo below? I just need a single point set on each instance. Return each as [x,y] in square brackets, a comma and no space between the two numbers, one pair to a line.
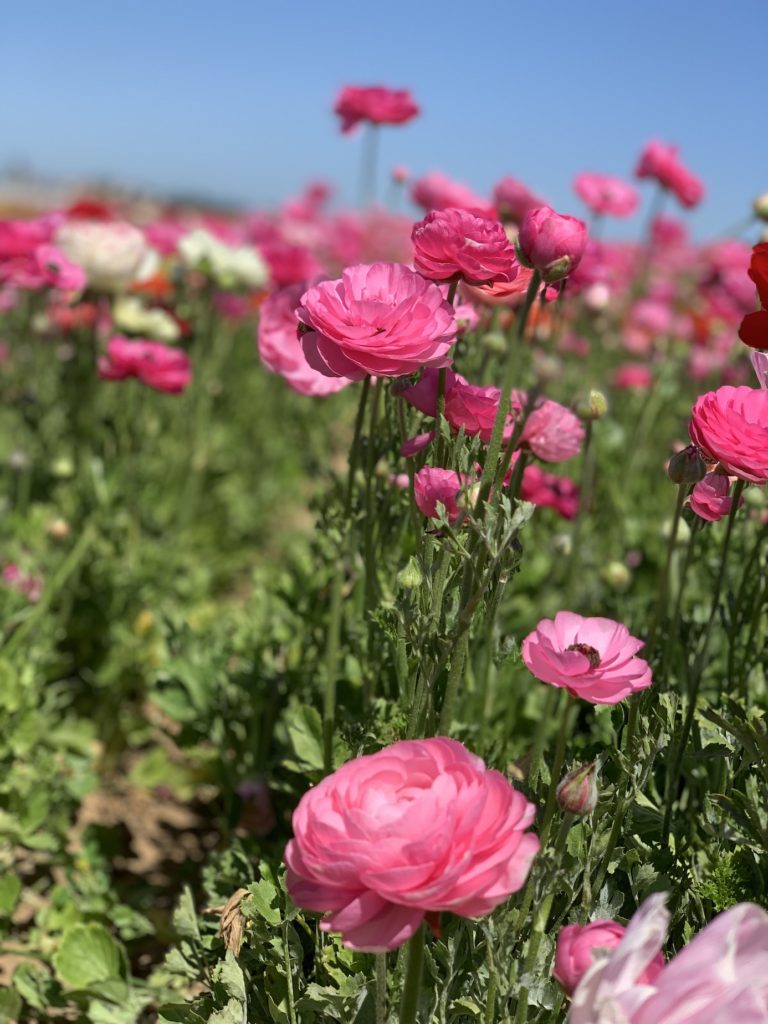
[381,319]
[550,491]
[710,499]
[513,199]
[730,426]
[552,432]
[433,485]
[606,195]
[435,191]
[420,827]
[552,243]
[456,245]
[577,945]
[158,366]
[374,103]
[660,161]
[592,658]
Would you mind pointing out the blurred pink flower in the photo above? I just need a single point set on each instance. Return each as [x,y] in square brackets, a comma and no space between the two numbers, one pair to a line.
[513,199]
[421,826]
[24,583]
[289,263]
[435,191]
[730,426]
[552,432]
[659,161]
[550,491]
[456,245]
[433,485]
[474,408]
[632,377]
[374,103]
[606,195]
[760,364]
[418,443]
[158,366]
[552,243]
[57,271]
[593,658]
[577,944]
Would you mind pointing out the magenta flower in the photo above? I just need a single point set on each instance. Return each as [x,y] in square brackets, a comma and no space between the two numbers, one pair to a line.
[435,191]
[730,426]
[632,377]
[550,491]
[432,485]
[592,658]
[709,497]
[57,271]
[474,408]
[606,195]
[576,948]
[513,199]
[659,161]
[456,245]
[158,366]
[382,319]
[423,394]
[374,103]
[422,826]
[551,243]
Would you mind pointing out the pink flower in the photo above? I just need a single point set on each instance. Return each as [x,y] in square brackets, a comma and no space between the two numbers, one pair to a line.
[592,658]
[552,243]
[382,319]
[552,432]
[416,444]
[400,174]
[730,425]
[513,199]
[423,394]
[709,497]
[421,826]
[576,945]
[632,377]
[720,977]
[660,161]
[502,293]
[288,263]
[154,364]
[19,238]
[374,103]
[453,245]
[57,271]
[281,351]
[550,491]
[435,191]
[431,486]
[474,408]
[760,364]
[606,195]
[26,584]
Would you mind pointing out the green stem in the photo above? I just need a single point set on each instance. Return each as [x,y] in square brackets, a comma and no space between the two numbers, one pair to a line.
[455,677]
[380,960]
[332,668]
[409,1003]
[663,591]
[354,452]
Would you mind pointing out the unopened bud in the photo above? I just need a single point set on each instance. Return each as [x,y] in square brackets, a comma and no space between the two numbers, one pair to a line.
[411,576]
[494,341]
[577,793]
[616,575]
[562,544]
[59,529]
[63,468]
[760,206]
[594,406]
[687,466]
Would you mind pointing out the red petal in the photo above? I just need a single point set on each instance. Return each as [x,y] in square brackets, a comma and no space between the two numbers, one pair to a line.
[754,329]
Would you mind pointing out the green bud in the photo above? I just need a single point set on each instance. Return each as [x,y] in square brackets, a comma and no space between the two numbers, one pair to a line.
[411,576]
[594,406]
[687,466]
[494,341]
[616,575]
[760,206]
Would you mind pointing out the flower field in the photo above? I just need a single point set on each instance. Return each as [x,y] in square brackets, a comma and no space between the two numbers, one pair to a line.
[384,602]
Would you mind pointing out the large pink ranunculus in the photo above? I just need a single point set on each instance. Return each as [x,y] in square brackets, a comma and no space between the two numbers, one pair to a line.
[381,319]
[730,425]
[660,161]
[456,245]
[720,977]
[606,195]
[592,658]
[577,945]
[420,826]
[552,243]
[433,485]
[435,191]
[154,364]
[374,103]
[513,199]
[552,432]
[280,349]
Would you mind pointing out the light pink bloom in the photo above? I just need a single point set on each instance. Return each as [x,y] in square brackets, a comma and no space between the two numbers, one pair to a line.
[513,199]
[552,432]
[57,271]
[456,245]
[374,103]
[720,977]
[288,263]
[158,366]
[432,485]
[414,445]
[400,174]
[552,243]
[606,195]
[502,293]
[660,161]
[474,408]
[730,426]
[435,191]
[709,497]
[577,944]
[632,377]
[281,351]
[592,658]
[381,319]
[421,826]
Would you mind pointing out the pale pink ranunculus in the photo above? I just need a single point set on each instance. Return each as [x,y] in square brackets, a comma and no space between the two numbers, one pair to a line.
[550,491]
[159,366]
[760,364]
[432,485]
[592,658]
[421,826]
[456,245]
[513,199]
[435,191]
[552,243]
[280,349]
[552,432]
[710,499]
[632,377]
[730,425]
[57,271]
[374,103]
[382,319]
[660,162]
[720,977]
[111,253]
[576,948]
[606,195]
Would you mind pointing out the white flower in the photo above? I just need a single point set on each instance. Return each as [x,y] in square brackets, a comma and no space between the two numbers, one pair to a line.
[230,266]
[130,314]
[113,254]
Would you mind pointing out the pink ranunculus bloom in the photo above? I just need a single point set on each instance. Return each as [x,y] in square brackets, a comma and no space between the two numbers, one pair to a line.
[433,485]
[552,243]
[552,432]
[550,491]
[400,174]
[416,444]
[20,238]
[513,199]
[382,319]
[632,377]
[111,254]
[423,394]
[435,191]
[720,977]
[592,658]
[24,583]
[760,364]
[58,271]
[577,944]
[710,499]
[606,195]
[467,317]
[502,293]
[456,245]
[730,426]
[668,231]
[280,349]
[374,103]
[474,408]
[288,263]
[660,161]
[421,826]
[159,366]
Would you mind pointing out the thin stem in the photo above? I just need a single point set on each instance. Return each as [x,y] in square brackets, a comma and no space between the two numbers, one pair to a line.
[368,166]
[455,677]
[409,1004]
[354,452]
[663,591]
[332,667]
[380,961]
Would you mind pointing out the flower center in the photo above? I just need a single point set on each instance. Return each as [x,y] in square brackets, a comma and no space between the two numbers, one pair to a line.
[589,653]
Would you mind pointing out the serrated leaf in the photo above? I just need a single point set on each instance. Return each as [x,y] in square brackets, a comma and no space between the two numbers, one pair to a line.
[87,954]
[263,896]
[185,918]
[178,1013]
[229,975]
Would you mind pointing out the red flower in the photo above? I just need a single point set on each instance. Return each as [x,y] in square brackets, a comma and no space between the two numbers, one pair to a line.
[754,327]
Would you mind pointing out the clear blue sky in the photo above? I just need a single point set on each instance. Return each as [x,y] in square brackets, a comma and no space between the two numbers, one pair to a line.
[234,98]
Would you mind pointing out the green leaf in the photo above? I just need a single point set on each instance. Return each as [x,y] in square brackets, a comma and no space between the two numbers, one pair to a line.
[10,1006]
[229,975]
[305,733]
[10,890]
[87,954]
[185,918]
[178,1013]
[263,896]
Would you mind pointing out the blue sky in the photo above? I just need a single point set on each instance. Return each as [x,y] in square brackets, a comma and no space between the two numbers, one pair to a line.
[234,98]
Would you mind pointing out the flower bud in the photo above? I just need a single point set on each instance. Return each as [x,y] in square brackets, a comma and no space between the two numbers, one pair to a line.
[59,529]
[760,206]
[577,792]
[411,576]
[687,466]
[494,341]
[616,575]
[594,406]
[551,243]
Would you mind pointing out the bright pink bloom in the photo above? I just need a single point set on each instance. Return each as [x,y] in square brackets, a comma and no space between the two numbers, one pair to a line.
[374,103]
[154,364]
[577,944]
[550,491]
[606,195]
[552,432]
[57,271]
[416,444]
[592,658]
[432,485]
[420,826]
[474,408]
[503,293]
[709,497]
[400,174]
[281,351]
[513,199]
[668,231]
[21,237]
[456,245]
[423,394]
[730,426]
[552,243]
[720,977]
[659,161]
[382,319]
[288,263]
[632,377]
[437,192]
